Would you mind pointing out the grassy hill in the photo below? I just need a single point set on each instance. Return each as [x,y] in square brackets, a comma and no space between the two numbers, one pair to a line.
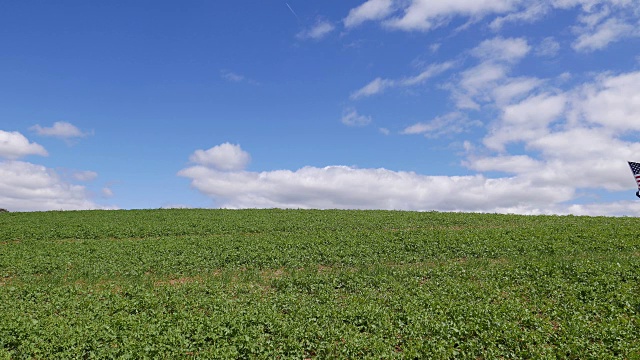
[317,284]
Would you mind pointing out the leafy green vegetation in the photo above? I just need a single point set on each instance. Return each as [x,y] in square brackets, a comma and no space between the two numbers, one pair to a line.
[269,284]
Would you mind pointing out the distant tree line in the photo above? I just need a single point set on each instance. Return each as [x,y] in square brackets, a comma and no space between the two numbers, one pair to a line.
[3,210]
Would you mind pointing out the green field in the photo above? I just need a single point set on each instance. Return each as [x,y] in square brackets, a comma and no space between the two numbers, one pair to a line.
[270,284]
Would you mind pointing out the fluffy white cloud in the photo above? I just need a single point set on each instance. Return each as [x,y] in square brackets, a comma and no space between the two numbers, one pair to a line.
[526,120]
[226,157]
[370,10]
[579,158]
[351,188]
[535,111]
[500,49]
[14,145]
[474,84]
[617,208]
[606,33]
[481,77]
[428,14]
[489,78]
[513,164]
[514,89]
[577,136]
[534,186]
[29,187]
[319,30]
[531,12]
[60,129]
[612,102]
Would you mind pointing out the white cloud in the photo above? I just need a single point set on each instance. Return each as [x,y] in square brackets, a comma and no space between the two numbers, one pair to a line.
[535,111]
[590,146]
[610,31]
[226,157]
[482,76]
[341,187]
[612,102]
[376,86]
[532,11]
[429,72]
[428,14]
[478,84]
[29,187]
[500,49]
[318,31]
[536,186]
[577,136]
[592,16]
[350,117]
[513,89]
[60,129]
[370,10]
[379,85]
[14,145]
[350,188]
[578,158]
[453,123]
[617,208]
[514,164]
[599,22]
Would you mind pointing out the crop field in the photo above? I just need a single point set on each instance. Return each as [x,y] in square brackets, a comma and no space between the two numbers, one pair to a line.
[317,284]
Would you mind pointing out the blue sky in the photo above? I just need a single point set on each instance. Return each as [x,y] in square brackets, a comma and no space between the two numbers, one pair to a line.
[507,106]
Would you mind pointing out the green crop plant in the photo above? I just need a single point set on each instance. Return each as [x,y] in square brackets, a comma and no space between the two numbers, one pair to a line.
[306,284]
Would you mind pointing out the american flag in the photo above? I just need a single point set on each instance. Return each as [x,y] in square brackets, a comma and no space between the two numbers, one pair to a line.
[635,168]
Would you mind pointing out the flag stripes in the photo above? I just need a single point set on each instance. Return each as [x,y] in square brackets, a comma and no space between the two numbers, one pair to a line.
[635,169]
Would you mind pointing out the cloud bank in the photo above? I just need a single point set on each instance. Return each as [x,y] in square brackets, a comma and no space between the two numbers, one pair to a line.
[25,186]
[14,145]
[344,187]
[29,187]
